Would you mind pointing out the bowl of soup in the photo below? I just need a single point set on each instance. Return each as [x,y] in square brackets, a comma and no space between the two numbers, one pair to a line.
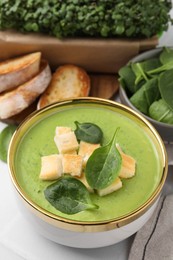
[124,173]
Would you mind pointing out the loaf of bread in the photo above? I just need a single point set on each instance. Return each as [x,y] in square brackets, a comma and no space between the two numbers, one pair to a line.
[15,72]
[16,100]
[68,81]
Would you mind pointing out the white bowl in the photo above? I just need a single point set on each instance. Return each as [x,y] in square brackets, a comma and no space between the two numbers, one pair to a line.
[86,234]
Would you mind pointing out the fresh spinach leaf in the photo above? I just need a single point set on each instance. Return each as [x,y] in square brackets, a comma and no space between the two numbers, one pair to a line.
[166,55]
[103,165]
[150,64]
[161,112]
[5,137]
[146,95]
[127,78]
[166,87]
[166,66]
[139,72]
[69,195]
[88,132]
[141,68]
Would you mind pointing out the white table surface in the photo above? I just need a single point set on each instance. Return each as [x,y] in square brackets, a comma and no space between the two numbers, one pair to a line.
[19,241]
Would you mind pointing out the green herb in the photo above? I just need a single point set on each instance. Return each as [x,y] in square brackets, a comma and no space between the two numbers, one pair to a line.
[161,112]
[88,132]
[5,137]
[146,95]
[69,196]
[103,165]
[78,18]
[166,87]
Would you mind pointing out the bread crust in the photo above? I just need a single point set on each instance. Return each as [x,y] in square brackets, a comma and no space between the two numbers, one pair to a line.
[16,100]
[68,81]
[14,72]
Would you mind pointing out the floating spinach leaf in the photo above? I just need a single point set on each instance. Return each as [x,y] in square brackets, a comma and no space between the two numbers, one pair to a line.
[103,165]
[166,87]
[161,112]
[166,55]
[69,195]
[88,132]
[5,137]
[146,95]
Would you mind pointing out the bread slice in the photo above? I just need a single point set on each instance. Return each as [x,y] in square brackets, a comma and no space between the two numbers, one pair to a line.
[14,72]
[68,81]
[16,100]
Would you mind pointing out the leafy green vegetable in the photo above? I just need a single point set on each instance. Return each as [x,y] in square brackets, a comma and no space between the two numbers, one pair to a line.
[88,132]
[166,66]
[153,81]
[166,55]
[141,68]
[146,95]
[69,195]
[81,18]
[166,59]
[127,78]
[139,72]
[166,87]
[103,165]
[161,112]
[5,137]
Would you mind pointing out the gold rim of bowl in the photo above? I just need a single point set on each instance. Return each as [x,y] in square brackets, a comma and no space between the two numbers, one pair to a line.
[82,226]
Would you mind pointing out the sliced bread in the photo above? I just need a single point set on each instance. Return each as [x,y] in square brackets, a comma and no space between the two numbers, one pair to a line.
[16,100]
[14,72]
[68,81]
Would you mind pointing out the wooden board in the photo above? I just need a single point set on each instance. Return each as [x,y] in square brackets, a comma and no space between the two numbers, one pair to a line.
[103,86]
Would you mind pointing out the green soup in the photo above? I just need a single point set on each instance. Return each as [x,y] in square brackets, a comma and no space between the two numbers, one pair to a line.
[38,141]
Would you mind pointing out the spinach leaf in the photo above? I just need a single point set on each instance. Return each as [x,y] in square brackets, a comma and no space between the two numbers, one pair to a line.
[146,95]
[166,87]
[166,55]
[139,72]
[103,165]
[167,64]
[150,64]
[88,132]
[161,112]
[141,68]
[127,78]
[5,137]
[69,195]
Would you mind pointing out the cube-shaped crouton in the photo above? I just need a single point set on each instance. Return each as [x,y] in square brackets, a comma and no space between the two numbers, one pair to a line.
[128,165]
[86,149]
[66,142]
[116,185]
[51,167]
[72,164]
[62,130]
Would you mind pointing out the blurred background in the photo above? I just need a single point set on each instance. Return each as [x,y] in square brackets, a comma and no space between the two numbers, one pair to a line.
[167,37]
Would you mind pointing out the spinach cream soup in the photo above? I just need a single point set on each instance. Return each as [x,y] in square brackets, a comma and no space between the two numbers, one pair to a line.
[38,141]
